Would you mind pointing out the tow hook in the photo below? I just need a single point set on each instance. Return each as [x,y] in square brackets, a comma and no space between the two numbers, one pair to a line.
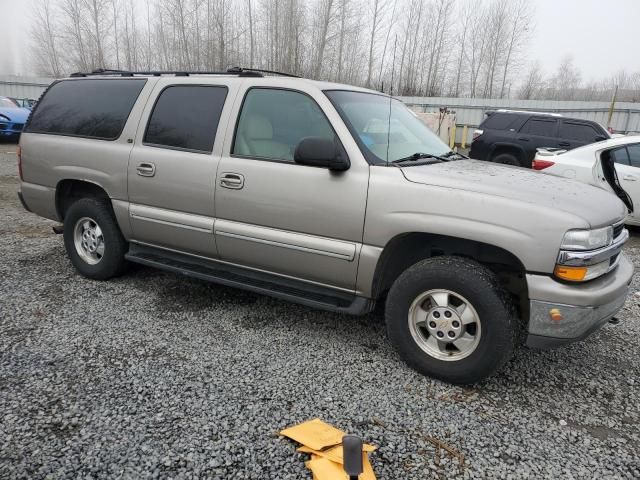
[614,320]
[57,229]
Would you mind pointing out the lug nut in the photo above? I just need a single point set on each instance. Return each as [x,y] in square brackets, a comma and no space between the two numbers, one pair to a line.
[440,334]
[452,334]
[436,314]
[447,314]
[455,324]
[432,324]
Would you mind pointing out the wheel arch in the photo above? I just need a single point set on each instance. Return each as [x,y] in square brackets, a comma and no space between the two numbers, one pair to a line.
[406,249]
[503,147]
[70,189]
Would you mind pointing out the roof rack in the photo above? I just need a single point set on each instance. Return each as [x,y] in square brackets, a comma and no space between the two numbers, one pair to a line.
[507,110]
[240,71]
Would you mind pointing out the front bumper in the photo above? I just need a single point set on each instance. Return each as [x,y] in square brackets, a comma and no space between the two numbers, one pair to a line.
[584,307]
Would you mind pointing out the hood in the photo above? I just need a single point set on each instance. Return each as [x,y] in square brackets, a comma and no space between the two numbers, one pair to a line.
[596,206]
[15,115]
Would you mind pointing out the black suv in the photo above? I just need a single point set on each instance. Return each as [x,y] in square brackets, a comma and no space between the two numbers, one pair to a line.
[512,137]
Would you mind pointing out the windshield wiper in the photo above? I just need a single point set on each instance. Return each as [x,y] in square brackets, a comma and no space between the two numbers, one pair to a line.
[451,153]
[419,156]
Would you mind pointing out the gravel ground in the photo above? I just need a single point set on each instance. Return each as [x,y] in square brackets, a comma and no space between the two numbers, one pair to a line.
[154,375]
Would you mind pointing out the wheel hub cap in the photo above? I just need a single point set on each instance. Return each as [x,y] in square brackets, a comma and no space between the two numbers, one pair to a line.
[88,240]
[444,324]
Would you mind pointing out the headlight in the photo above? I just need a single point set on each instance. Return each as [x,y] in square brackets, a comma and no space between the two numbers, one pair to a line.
[4,118]
[587,239]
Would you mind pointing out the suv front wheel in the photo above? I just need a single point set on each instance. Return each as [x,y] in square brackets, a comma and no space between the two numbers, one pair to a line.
[93,239]
[449,318]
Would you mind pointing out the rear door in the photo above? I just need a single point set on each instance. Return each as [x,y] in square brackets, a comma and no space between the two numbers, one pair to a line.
[172,167]
[627,163]
[538,132]
[574,134]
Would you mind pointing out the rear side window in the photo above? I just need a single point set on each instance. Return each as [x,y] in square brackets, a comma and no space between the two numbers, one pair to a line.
[186,117]
[93,108]
[578,131]
[634,154]
[619,155]
[541,127]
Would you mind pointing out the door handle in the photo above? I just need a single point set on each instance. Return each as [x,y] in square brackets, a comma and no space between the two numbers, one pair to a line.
[563,144]
[630,178]
[146,169]
[234,181]
[524,139]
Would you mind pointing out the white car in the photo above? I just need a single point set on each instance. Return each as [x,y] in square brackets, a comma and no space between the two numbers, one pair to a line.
[613,165]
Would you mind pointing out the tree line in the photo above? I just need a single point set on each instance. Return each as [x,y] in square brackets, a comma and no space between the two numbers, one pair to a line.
[472,48]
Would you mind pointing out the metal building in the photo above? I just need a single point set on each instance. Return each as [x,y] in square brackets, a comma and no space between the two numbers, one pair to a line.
[471,111]
[23,87]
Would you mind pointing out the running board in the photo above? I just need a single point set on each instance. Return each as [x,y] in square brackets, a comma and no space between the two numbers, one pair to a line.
[308,294]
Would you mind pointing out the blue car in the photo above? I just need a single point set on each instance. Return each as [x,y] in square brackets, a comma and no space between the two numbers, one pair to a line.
[12,118]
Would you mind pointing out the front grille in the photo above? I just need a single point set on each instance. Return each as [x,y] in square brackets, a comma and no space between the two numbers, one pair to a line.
[3,126]
[617,229]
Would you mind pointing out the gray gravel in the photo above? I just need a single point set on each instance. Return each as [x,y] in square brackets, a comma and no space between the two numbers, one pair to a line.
[154,375]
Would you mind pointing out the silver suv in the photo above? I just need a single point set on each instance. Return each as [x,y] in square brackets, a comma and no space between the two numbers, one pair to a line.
[328,195]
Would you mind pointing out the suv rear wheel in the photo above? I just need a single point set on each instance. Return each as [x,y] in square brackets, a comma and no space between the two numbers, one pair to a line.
[93,240]
[507,159]
[449,318]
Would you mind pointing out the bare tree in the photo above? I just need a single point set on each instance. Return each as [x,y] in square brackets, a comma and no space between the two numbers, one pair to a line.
[377,8]
[532,83]
[46,40]
[520,18]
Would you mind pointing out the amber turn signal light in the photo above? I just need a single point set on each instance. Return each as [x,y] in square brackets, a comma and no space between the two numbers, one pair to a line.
[555,314]
[571,274]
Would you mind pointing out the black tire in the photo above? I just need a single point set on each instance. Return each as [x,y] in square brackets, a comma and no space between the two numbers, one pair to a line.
[507,159]
[112,262]
[477,284]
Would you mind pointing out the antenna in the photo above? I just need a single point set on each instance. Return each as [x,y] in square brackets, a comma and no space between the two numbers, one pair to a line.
[393,68]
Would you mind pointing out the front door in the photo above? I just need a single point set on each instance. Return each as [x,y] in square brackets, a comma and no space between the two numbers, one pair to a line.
[172,167]
[282,217]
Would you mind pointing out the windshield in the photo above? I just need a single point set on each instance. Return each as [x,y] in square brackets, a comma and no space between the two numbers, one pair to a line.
[383,139]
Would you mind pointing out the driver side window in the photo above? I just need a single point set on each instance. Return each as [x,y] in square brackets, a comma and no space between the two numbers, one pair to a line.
[273,121]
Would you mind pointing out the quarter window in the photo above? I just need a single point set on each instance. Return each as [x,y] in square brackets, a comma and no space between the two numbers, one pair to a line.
[579,132]
[541,127]
[94,108]
[186,117]
[274,121]
[499,121]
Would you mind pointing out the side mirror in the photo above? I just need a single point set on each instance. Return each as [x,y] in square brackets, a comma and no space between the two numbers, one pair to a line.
[601,138]
[321,152]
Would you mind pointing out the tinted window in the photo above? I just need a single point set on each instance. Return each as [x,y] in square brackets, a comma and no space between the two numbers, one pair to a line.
[634,154]
[93,108]
[539,126]
[619,155]
[273,122]
[578,131]
[186,117]
[499,121]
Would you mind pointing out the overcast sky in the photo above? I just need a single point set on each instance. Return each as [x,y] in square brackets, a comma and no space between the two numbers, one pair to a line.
[602,35]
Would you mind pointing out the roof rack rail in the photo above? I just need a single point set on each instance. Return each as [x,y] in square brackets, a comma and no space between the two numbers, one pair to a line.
[240,71]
